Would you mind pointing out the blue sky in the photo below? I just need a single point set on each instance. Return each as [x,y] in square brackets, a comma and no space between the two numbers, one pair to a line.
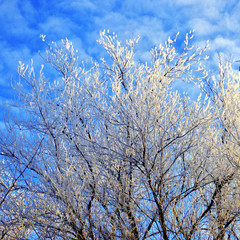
[22,22]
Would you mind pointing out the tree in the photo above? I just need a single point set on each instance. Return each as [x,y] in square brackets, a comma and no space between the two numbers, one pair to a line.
[112,151]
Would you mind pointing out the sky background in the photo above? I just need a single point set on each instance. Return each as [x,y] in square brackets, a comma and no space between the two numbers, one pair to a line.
[22,22]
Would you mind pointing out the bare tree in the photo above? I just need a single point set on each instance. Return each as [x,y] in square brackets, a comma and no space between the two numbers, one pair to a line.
[114,152]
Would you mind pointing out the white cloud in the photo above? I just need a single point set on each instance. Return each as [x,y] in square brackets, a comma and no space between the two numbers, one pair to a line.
[9,60]
[145,26]
[12,20]
[186,2]
[57,27]
[79,5]
[221,42]
[203,27]
[204,8]
[226,46]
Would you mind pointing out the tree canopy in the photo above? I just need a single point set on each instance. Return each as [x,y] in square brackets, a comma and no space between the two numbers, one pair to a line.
[112,150]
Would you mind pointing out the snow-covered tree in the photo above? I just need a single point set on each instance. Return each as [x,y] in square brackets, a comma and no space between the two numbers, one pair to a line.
[111,150]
